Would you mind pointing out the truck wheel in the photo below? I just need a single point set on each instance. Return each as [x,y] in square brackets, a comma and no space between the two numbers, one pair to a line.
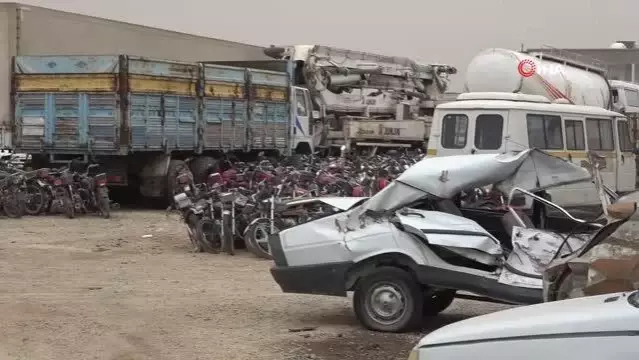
[438,301]
[388,300]
[200,168]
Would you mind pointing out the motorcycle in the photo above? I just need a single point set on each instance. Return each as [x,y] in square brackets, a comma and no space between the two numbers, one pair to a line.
[93,191]
[12,188]
[63,195]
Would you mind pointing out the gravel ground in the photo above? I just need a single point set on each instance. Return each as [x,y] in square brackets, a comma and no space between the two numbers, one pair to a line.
[129,288]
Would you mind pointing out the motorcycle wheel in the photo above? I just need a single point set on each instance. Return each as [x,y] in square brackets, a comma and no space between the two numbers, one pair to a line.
[12,205]
[207,235]
[257,236]
[68,205]
[192,230]
[105,206]
[35,200]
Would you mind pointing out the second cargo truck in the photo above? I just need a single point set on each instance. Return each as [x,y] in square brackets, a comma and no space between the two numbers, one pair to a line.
[141,118]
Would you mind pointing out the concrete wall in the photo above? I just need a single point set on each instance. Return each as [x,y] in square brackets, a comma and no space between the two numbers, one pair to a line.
[50,32]
[7,46]
[42,31]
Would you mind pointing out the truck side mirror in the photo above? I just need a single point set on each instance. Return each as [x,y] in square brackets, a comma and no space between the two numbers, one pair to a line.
[316,115]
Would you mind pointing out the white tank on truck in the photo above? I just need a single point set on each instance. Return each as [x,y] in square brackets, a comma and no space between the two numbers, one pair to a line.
[555,76]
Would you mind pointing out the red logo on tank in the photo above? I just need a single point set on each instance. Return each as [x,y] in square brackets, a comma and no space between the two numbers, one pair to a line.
[526,68]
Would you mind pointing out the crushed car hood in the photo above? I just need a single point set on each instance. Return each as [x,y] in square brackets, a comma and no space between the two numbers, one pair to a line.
[445,177]
[582,315]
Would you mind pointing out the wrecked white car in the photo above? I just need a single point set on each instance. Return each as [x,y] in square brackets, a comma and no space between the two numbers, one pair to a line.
[608,263]
[403,262]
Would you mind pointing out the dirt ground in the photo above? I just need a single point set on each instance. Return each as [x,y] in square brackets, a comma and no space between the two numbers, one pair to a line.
[129,288]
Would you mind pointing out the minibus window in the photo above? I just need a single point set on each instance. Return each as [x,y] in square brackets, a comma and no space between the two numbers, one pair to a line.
[575,135]
[599,133]
[454,131]
[488,131]
[625,143]
[632,97]
[544,131]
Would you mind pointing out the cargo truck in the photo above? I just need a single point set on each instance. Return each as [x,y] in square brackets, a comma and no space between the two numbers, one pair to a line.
[360,99]
[142,118]
[32,30]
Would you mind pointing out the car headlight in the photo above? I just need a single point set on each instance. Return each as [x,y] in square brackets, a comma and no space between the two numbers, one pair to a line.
[414,355]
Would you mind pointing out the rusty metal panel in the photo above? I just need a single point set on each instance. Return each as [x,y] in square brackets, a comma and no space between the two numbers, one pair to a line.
[88,64]
[180,122]
[224,82]
[145,116]
[270,113]
[225,123]
[224,74]
[162,68]
[269,85]
[66,73]
[163,122]
[66,83]
[139,84]
[160,76]
[67,121]
[269,78]
[225,107]
[31,115]
[103,120]
[269,125]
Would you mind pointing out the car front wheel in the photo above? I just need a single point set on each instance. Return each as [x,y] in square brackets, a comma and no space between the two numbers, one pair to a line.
[388,300]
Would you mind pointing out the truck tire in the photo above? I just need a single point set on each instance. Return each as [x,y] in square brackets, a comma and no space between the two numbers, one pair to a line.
[200,168]
[388,299]
[175,166]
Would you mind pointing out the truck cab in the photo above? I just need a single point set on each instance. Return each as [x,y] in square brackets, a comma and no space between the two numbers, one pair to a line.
[302,121]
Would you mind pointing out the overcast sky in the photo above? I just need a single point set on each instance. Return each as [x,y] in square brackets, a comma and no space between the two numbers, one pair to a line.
[450,31]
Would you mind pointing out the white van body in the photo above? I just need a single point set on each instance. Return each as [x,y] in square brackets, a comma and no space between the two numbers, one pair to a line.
[499,122]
